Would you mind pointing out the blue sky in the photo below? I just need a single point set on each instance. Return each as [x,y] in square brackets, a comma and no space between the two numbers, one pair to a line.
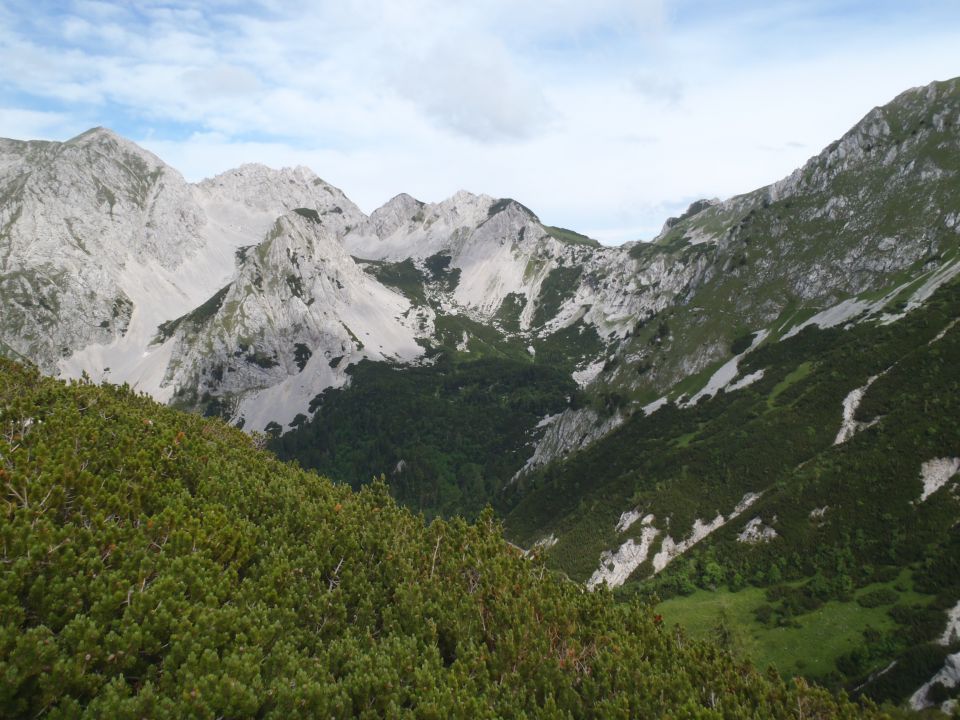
[605,116]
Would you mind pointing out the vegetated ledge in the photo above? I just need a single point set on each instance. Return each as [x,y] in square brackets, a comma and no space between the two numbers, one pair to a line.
[161,565]
[195,317]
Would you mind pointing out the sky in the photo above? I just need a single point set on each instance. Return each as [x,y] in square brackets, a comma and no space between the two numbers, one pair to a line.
[604,116]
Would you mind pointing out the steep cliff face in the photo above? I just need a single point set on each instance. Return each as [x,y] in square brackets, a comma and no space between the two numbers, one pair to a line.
[877,206]
[296,313]
[103,245]
[84,225]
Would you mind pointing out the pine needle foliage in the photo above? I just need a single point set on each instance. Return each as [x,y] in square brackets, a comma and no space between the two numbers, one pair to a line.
[157,564]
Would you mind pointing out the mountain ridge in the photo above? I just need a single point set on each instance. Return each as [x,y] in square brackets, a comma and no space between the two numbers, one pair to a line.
[500,264]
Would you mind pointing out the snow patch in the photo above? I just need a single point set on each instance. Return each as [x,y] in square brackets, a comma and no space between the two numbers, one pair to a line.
[936,473]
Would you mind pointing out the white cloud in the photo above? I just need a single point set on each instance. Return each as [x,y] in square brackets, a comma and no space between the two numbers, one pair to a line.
[221,81]
[473,88]
[657,87]
[33,124]
[604,117]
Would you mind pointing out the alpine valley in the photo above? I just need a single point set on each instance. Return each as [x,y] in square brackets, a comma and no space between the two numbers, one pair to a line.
[752,420]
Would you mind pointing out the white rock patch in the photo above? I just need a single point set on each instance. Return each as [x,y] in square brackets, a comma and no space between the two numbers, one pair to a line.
[845,311]
[588,374]
[948,676]
[670,549]
[850,427]
[546,543]
[651,408]
[937,473]
[755,532]
[833,316]
[937,278]
[745,502]
[724,376]
[548,420]
[628,518]
[746,380]
[952,631]
[616,567]
[574,429]
[943,333]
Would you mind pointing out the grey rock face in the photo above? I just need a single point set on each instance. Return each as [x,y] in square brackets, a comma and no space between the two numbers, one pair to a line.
[251,292]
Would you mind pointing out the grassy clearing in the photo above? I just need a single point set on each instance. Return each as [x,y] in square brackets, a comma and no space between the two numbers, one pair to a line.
[684,440]
[802,371]
[811,648]
[403,276]
[571,237]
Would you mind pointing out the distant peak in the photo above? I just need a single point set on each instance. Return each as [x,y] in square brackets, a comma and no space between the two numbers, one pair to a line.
[502,204]
[462,196]
[96,133]
[695,208]
[403,200]
[260,171]
[397,211]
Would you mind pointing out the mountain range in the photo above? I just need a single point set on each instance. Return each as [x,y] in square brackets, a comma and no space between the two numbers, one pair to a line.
[761,397]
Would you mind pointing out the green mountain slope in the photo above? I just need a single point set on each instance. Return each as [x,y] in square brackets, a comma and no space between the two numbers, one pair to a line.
[872,212]
[159,565]
[465,426]
[871,222]
[830,518]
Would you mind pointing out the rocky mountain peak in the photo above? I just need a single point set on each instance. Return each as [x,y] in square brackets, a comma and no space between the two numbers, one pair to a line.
[111,147]
[464,204]
[254,195]
[396,212]
[893,134]
[98,134]
[694,208]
